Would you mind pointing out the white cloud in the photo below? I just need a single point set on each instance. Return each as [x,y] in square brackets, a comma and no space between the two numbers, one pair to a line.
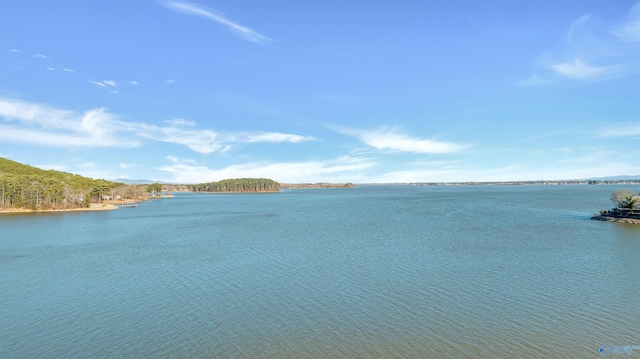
[56,139]
[97,83]
[127,165]
[630,30]
[274,137]
[574,29]
[591,52]
[622,131]
[180,122]
[569,169]
[36,114]
[133,83]
[341,169]
[170,82]
[44,125]
[175,159]
[41,56]
[203,141]
[578,69]
[586,163]
[391,140]
[67,70]
[104,83]
[240,31]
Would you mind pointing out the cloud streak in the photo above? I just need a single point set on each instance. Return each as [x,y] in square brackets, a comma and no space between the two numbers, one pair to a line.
[341,169]
[389,139]
[578,69]
[587,57]
[242,32]
[622,131]
[37,124]
[274,137]
[630,30]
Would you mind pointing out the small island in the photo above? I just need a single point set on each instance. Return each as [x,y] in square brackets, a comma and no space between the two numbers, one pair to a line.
[238,185]
[626,211]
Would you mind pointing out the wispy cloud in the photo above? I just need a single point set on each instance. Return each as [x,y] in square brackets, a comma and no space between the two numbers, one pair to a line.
[578,69]
[389,139]
[42,125]
[621,131]
[629,31]
[203,141]
[97,83]
[274,137]
[40,56]
[208,141]
[591,52]
[341,169]
[180,122]
[46,126]
[104,83]
[240,31]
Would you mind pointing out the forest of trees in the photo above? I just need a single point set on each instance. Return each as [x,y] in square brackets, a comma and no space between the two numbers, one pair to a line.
[238,185]
[24,186]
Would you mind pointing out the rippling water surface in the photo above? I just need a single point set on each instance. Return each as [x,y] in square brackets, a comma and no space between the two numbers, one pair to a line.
[390,271]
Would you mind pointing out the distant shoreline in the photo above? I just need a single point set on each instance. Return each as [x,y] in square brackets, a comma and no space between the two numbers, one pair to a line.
[316,185]
[514,183]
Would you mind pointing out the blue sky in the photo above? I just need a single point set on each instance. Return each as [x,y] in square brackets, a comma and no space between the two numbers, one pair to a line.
[311,91]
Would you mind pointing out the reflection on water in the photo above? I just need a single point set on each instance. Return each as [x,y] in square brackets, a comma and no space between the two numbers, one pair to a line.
[460,272]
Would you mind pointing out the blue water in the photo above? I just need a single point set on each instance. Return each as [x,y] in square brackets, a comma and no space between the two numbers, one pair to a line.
[387,271]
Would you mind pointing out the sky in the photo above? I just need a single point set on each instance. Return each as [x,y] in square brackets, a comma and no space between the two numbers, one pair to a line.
[322,91]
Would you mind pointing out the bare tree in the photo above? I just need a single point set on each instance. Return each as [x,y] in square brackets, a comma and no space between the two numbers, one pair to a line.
[625,199]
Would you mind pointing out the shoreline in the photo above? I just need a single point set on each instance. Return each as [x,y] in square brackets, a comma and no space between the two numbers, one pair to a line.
[108,205]
[615,219]
[93,207]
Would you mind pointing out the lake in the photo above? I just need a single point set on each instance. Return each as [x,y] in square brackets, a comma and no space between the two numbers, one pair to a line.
[370,272]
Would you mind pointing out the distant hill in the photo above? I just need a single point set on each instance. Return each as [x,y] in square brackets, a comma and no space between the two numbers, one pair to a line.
[615,178]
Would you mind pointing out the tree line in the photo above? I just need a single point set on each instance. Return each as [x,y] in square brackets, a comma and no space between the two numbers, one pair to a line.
[626,200]
[24,186]
[238,185]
